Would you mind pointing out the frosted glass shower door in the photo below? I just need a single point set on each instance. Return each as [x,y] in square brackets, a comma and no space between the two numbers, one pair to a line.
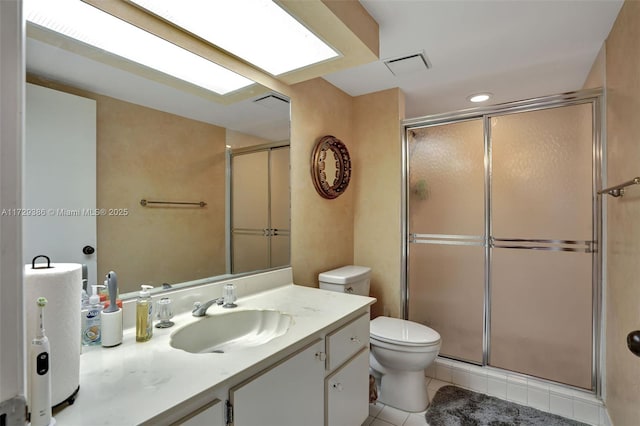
[250,211]
[446,266]
[280,207]
[542,228]
[260,209]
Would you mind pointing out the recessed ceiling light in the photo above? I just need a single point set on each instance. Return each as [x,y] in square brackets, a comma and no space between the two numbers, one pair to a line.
[91,26]
[258,31]
[480,97]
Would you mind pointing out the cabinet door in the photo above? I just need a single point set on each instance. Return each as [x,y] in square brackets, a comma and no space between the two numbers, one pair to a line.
[347,392]
[288,394]
[210,415]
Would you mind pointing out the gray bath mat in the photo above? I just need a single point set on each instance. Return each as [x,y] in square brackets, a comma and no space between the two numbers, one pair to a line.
[454,406]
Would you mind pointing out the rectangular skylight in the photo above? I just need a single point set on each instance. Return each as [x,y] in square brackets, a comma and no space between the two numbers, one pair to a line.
[258,31]
[91,26]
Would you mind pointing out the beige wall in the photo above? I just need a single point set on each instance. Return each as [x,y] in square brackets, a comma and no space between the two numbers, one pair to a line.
[596,77]
[362,226]
[242,140]
[146,153]
[623,224]
[321,229]
[377,178]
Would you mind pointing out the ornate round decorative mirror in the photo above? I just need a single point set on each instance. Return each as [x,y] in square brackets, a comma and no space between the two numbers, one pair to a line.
[330,167]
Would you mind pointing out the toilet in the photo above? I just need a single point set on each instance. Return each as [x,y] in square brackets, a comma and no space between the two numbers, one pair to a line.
[400,349]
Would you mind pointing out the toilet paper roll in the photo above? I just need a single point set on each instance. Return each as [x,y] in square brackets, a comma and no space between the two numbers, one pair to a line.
[62,286]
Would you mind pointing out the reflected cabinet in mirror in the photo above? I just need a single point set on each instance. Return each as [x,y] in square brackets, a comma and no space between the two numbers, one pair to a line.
[103,133]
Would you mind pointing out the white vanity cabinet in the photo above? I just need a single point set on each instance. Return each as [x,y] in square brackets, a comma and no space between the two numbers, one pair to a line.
[325,383]
[290,393]
[347,382]
[211,414]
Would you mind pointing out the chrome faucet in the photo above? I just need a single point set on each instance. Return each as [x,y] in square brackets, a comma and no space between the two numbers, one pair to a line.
[200,309]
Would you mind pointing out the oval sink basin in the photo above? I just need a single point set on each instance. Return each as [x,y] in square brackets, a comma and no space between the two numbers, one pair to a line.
[231,331]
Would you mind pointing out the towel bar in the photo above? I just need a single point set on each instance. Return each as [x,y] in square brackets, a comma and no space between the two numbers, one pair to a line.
[618,190]
[144,203]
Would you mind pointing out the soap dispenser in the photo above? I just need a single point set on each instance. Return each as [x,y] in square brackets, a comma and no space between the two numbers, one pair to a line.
[144,315]
[91,320]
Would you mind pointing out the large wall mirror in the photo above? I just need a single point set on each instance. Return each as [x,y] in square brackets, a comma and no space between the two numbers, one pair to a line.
[103,134]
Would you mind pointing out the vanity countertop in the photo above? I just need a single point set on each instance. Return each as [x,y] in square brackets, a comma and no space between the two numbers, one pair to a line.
[134,382]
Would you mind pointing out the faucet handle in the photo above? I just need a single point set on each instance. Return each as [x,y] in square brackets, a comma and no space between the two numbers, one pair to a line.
[229,295]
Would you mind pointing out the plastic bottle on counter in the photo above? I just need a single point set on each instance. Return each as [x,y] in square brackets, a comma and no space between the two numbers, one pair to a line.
[91,320]
[144,315]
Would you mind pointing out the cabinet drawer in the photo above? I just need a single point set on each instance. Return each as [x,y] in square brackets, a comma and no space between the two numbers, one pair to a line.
[342,344]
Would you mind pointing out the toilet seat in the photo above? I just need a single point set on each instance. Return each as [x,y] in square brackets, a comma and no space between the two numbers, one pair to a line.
[401,332]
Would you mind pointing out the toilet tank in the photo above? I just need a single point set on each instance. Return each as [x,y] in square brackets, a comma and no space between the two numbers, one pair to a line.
[348,279]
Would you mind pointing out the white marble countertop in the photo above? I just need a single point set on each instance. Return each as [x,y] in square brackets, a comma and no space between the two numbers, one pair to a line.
[134,382]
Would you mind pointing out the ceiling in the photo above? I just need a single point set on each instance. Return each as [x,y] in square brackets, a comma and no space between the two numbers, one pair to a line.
[515,49]
[49,62]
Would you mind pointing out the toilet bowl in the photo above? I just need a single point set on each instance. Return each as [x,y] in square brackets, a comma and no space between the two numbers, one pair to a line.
[400,352]
[400,349]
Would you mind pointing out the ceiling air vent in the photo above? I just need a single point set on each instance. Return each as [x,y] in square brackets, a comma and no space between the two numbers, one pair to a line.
[272,101]
[409,64]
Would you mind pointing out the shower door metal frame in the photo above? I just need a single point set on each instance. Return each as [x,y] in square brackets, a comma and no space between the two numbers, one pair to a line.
[592,96]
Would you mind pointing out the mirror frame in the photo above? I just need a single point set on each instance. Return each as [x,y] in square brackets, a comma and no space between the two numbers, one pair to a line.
[334,146]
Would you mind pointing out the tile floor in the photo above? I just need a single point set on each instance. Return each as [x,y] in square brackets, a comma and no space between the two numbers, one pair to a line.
[382,415]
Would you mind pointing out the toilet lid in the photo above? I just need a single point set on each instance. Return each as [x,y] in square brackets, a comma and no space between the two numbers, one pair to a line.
[402,332]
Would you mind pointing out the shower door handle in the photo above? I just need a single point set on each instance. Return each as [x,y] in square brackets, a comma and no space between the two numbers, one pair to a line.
[579,246]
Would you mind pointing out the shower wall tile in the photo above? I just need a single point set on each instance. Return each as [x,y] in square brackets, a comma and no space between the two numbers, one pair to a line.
[561,405]
[478,379]
[586,412]
[497,385]
[460,376]
[538,396]
[517,389]
[586,407]
[443,370]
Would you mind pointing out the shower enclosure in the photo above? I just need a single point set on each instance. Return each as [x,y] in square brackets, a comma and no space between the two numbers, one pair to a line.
[502,229]
[259,208]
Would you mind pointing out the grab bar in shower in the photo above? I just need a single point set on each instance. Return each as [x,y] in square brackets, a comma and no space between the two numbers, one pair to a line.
[618,190]
[145,203]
